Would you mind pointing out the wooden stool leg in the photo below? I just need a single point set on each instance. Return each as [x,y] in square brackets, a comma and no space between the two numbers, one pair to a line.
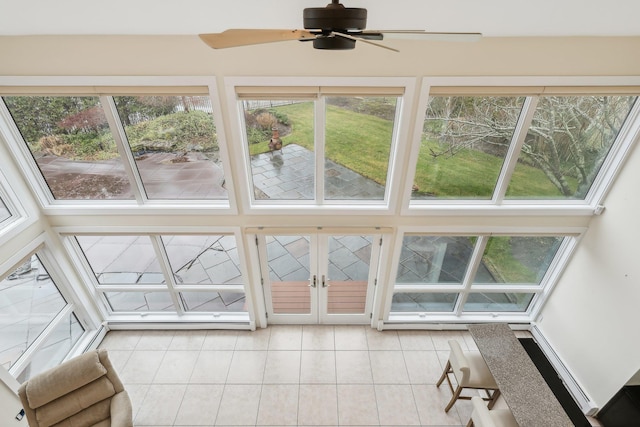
[453,398]
[494,398]
[444,373]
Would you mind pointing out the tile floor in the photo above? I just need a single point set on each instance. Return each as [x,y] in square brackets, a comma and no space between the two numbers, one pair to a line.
[287,375]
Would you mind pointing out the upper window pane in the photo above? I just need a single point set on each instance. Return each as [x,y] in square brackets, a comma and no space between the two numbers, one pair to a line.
[517,259]
[70,140]
[174,143]
[358,138]
[566,145]
[434,259]
[207,260]
[280,134]
[464,143]
[29,301]
[125,260]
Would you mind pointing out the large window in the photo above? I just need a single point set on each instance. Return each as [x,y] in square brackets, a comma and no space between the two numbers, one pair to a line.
[168,273]
[324,149]
[472,274]
[38,328]
[488,147]
[138,147]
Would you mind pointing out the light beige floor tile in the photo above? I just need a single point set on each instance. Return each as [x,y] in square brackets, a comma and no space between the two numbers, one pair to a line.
[385,340]
[137,393]
[388,367]
[220,340]
[160,405]
[318,367]
[286,337]
[415,340]
[350,338]
[200,405]
[423,366]
[253,340]
[441,339]
[155,340]
[318,337]
[396,405]
[470,342]
[247,367]
[282,367]
[141,367]
[318,405]
[119,358]
[176,367]
[239,405]
[211,367]
[431,402]
[443,357]
[121,340]
[278,405]
[357,405]
[353,367]
[187,340]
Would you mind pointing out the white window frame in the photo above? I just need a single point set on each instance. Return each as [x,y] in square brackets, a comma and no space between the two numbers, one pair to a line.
[628,134]
[40,247]
[140,205]
[541,291]
[397,155]
[213,320]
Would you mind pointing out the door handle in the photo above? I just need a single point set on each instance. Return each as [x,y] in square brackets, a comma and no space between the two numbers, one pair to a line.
[324,282]
[313,282]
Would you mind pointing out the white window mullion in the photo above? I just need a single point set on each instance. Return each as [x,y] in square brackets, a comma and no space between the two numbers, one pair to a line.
[120,138]
[165,266]
[319,129]
[515,147]
[474,263]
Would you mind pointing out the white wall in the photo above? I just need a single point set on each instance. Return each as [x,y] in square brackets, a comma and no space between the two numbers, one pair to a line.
[592,317]
[10,404]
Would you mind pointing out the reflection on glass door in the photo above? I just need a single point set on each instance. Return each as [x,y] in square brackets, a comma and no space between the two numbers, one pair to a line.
[319,278]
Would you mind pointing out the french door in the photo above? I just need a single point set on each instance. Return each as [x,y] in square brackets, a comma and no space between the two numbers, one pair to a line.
[318,278]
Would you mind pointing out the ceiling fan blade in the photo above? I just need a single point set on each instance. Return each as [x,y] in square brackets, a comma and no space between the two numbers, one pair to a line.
[425,35]
[245,37]
[347,36]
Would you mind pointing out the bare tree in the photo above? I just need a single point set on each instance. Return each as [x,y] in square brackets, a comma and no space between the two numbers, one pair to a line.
[568,139]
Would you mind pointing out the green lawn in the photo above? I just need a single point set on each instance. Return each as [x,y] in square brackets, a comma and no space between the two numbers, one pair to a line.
[360,142]
[357,141]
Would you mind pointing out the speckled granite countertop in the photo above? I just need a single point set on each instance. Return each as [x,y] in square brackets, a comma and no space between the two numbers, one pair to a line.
[529,397]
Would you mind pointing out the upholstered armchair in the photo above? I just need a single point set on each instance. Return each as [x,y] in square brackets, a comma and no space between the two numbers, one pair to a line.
[83,391]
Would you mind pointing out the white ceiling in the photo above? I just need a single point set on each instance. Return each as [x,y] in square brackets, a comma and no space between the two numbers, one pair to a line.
[493,18]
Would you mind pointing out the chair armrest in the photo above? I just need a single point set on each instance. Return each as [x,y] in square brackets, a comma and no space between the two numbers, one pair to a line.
[121,410]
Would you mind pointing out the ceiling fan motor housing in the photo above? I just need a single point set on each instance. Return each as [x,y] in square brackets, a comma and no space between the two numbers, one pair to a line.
[335,17]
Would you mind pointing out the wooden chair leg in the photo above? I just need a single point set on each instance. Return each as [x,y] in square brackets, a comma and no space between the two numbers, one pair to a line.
[444,373]
[453,398]
[494,398]
[470,423]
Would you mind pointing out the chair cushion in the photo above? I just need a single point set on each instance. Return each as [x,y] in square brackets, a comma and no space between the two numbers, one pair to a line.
[480,375]
[503,418]
[76,402]
[93,415]
[69,376]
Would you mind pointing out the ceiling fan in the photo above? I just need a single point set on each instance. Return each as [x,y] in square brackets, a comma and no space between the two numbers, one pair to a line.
[333,27]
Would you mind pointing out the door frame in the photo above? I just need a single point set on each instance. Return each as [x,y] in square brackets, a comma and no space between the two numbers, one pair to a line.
[318,267]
